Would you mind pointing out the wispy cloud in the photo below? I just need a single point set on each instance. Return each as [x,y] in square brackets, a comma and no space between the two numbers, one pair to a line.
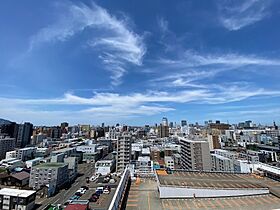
[190,67]
[193,59]
[117,44]
[219,94]
[235,15]
[163,25]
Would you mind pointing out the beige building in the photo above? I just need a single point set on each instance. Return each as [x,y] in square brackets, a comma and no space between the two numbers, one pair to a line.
[123,152]
[195,154]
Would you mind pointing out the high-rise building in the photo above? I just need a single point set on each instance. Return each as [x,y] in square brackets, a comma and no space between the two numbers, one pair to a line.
[183,123]
[164,121]
[24,134]
[55,132]
[6,144]
[9,129]
[171,125]
[163,131]
[195,155]
[123,152]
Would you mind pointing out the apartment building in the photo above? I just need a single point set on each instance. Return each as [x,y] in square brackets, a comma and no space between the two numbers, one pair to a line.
[220,163]
[17,199]
[53,175]
[195,154]
[144,166]
[23,154]
[123,152]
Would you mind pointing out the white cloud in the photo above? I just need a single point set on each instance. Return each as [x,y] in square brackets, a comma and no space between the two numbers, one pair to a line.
[163,25]
[113,106]
[194,59]
[235,15]
[191,67]
[117,44]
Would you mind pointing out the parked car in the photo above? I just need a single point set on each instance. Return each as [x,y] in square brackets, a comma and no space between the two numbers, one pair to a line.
[99,189]
[82,191]
[96,194]
[106,191]
[85,187]
[78,193]
[112,181]
[92,199]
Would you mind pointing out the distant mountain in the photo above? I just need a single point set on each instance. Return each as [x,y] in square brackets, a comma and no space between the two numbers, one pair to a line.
[3,121]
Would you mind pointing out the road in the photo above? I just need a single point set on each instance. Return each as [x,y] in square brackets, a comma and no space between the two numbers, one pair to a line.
[63,195]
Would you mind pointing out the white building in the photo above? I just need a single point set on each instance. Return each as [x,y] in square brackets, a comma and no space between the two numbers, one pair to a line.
[17,199]
[33,162]
[11,163]
[144,166]
[87,148]
[22,154]
[169,162]
[106,165]
[221,163]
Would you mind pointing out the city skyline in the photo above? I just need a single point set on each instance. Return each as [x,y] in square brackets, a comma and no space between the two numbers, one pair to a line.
[106,61]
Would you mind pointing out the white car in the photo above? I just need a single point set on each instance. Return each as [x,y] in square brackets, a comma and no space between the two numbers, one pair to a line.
[106,191]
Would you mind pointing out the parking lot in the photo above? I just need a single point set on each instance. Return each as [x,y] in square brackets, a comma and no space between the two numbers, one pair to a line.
[209,180]
[144,195]
[104,200]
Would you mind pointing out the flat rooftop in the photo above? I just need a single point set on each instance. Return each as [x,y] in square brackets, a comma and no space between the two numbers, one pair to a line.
[143,195]
[49,165]
[16,192]
[207,180]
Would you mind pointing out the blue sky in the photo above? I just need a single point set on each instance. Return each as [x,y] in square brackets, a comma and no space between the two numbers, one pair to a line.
[136,61]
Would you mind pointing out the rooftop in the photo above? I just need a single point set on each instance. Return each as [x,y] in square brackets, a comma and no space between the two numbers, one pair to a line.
[63,150]
[50,165]
[220,157]
[35,159]
[77,207]
[143,195]
[208,180]
[21,175]
[16,192]
[144,158]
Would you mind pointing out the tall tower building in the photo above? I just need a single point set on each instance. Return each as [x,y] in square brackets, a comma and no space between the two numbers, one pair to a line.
[183,123]
[163,131]
[164,121]
[123,152]
[24,134]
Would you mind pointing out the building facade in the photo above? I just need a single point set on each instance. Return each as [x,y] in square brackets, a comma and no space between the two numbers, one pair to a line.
[6,145]
[17,199]
[54,175]
[195,155]
[123,152]
[24,134]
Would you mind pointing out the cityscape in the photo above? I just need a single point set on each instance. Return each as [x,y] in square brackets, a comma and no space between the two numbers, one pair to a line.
[167,165]
[139,105]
